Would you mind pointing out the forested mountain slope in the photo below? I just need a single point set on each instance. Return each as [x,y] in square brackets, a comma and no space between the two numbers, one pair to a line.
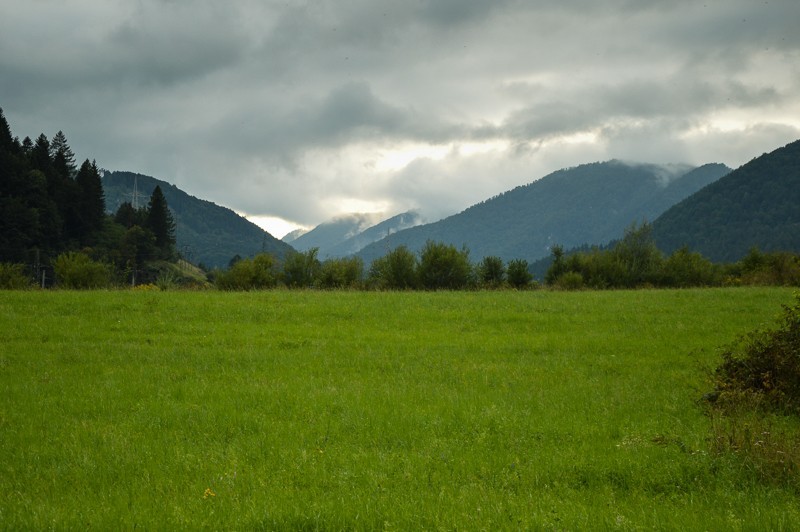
[588,204]
[205,232]
[757,205]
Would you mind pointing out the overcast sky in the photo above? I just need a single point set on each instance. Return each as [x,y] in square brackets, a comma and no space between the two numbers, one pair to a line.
[305,110]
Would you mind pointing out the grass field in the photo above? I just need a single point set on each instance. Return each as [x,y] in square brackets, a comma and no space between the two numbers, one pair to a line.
[346,410]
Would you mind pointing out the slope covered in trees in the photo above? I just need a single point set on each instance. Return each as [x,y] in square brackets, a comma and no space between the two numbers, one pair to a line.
[757,205]
[206,233]
[588,204]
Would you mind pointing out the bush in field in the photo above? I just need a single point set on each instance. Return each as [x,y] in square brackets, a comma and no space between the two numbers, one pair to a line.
[249,274]
[77,270]
[517,273]
[300,270]
[491,272]
[167,280]
[397,270]
[763,368]
[757,391]
[341,273]
[12,277]
[569,281]
[443,267]
[685,268]
[777,268]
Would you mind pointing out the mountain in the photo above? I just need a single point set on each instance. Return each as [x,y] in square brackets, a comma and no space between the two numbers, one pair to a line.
[587,204]
[757,204]
[206,233]
[345,235]
[293,235]
[375,233]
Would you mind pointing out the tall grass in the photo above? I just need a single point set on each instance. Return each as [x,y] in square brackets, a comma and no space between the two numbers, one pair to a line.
[336,410]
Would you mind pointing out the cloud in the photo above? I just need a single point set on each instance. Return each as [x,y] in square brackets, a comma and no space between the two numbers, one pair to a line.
[298,110]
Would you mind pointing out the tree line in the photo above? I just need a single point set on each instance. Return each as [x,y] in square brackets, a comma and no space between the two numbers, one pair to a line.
[635,261]
[53,215]
[438,266]
[632,262]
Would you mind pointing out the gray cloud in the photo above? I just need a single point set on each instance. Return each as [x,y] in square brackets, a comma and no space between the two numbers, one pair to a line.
[300,109]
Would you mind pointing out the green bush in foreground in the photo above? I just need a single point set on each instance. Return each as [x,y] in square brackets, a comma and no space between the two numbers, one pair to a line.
[764,367]
[756,404]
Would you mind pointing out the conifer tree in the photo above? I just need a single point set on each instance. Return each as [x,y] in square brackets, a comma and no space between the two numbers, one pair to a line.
[92,200]
[40,154]
[62,156]
[161,223]
[6,140]
[27,145]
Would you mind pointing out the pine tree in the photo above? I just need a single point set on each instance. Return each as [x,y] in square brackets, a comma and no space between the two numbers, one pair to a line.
[92,201]
[40,154]
[161,223]
[62,156]
[6,141]
[27,145]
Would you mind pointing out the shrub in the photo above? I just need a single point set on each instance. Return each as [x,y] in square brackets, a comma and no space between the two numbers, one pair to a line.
[777,268]
[167,280]
[570,281]
[517,273]
[763,368]
[341,273]
[755,407]
[12,276]
[249,274]
[491,272]
[397,270]
[685,268]
[301,269]
[78,271]
[442,266]
[558,267]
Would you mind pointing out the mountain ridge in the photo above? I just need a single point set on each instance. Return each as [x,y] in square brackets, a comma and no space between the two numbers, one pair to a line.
[206,233]
[347,234]
[569,207]
[756,205]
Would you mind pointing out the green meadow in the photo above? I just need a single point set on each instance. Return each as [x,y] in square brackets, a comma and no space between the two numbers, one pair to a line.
[369,410]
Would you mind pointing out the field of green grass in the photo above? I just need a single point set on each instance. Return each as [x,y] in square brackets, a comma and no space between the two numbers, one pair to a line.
[347,410]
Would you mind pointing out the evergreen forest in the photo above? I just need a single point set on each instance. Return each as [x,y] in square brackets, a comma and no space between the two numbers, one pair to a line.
[53,215]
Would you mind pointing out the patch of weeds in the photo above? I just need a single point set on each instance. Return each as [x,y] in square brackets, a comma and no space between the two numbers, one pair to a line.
[767,447]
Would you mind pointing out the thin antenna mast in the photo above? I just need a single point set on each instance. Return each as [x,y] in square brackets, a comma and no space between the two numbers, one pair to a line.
[135,195]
